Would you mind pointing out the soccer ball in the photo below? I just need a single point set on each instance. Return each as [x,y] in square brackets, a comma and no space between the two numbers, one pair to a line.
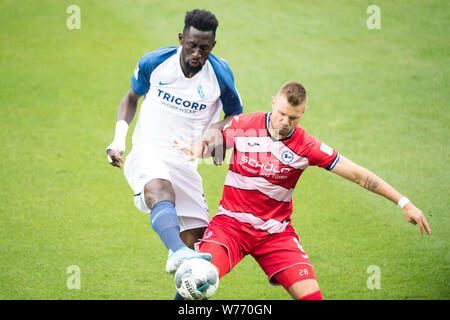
[196,279]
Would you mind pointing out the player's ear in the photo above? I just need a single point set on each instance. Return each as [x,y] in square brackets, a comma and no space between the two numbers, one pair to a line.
[180,38]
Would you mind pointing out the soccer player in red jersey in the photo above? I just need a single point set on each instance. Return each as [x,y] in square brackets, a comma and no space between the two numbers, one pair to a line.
[270,152]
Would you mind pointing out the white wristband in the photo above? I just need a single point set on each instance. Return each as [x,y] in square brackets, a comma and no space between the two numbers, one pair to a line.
[403,202]
[121,131]
[120,136]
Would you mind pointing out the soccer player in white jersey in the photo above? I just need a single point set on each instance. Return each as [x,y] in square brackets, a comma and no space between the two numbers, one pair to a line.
[254,217]
[185,89]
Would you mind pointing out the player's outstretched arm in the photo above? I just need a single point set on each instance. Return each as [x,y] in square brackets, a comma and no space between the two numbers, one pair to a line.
[193,152]
[368,180]
[212,145]
[125,114]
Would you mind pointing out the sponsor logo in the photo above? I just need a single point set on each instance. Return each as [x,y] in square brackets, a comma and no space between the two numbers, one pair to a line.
[189,285]
[304,255]
[208,235]
[165,96]
[164,83]
[264,166]
[253,144]
[154,218]
[328,150]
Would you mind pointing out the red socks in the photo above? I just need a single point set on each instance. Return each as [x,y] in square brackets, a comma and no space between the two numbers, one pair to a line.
[316,295]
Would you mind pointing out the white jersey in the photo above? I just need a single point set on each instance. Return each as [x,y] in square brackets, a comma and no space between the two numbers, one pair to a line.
[176,107]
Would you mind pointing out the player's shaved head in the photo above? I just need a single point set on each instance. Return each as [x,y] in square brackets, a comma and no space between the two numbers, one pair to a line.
[294,93]
[201,20]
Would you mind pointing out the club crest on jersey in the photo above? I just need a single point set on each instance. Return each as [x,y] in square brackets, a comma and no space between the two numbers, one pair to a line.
[200,91]
[287,156]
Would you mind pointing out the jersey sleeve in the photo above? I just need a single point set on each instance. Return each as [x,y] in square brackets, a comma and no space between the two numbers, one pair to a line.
[230,131]
[140,80]
[321,155]
[229,96]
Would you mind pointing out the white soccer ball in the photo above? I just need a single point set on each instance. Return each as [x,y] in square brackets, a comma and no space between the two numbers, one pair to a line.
[196,279]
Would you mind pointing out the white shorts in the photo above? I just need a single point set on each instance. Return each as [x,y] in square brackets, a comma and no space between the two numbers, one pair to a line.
[190,202]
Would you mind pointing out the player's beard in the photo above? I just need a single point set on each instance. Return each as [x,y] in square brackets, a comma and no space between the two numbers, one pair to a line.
[278,133]
[191,69]
[283,132]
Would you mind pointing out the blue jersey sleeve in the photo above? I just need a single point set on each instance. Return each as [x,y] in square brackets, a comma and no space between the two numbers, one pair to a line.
[231,101]
[140,81]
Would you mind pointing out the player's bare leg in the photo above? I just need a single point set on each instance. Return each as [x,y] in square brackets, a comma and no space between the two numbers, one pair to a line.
[158,190]
[191,236]
[159,196]
[301,289]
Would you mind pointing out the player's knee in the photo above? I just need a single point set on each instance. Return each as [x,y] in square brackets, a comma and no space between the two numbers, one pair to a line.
[158,190]
[305,290]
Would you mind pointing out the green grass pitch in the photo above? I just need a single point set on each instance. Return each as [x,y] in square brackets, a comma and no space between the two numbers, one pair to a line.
[379,96]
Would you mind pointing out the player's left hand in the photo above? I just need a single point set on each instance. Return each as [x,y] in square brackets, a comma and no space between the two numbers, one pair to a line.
[415,216]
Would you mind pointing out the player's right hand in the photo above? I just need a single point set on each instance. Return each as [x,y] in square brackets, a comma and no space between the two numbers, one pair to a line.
[114,154]
[193,152]
[215,146]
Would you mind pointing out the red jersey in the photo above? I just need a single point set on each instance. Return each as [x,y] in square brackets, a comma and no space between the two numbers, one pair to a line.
[263,171]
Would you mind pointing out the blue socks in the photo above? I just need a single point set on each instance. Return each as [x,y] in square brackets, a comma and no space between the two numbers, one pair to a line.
[164,221]
[178,297]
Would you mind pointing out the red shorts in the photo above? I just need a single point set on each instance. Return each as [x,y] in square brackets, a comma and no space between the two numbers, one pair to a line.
[229,240]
